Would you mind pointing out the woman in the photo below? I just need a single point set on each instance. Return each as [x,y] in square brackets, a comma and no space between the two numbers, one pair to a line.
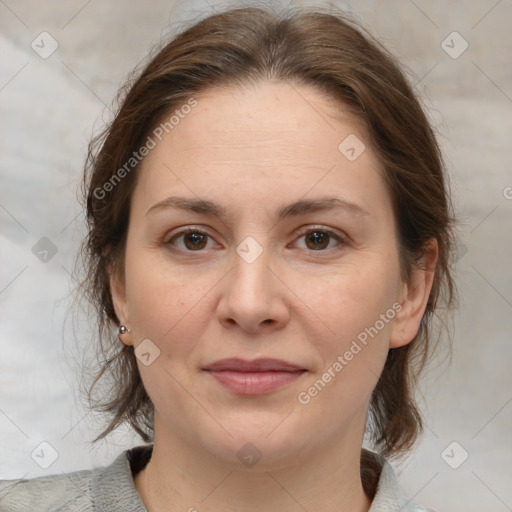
[270,232]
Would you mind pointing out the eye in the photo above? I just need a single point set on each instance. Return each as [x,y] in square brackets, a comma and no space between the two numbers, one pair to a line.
[318,239]
[193,240]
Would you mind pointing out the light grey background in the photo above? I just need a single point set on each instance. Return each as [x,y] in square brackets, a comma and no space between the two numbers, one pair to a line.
[49,108]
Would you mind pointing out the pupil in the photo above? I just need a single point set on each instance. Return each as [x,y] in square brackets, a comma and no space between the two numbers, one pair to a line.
[196,239]
[317,238]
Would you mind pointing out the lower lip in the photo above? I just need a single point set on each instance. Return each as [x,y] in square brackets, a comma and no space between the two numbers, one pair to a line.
[254,383]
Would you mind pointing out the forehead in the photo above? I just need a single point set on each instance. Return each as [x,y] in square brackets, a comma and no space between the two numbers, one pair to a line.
[285,115]
[278,137]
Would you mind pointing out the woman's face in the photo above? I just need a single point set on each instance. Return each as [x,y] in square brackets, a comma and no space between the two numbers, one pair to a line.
[292,256]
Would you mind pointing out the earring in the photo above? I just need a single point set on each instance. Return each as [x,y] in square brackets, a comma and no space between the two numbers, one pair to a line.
[123,329]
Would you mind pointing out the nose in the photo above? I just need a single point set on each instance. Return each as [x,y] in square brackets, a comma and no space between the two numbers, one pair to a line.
[253,297]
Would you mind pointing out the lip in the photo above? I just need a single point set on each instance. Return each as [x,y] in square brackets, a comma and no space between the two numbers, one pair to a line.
[256,365]
[256,377]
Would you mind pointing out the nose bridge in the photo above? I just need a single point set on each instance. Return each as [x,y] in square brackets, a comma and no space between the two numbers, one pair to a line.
[251,276]
[252,296]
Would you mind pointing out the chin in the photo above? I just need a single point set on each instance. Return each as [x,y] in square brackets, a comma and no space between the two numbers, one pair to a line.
[258,449]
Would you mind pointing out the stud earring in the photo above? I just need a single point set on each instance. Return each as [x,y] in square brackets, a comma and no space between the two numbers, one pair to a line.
[123,329]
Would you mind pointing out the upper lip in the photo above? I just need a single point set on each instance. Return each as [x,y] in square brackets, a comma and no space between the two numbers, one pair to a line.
[256,365]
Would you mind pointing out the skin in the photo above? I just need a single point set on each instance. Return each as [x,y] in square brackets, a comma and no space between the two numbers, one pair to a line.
[253,151]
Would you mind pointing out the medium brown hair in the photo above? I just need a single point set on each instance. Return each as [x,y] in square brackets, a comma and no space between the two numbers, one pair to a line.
[323,48]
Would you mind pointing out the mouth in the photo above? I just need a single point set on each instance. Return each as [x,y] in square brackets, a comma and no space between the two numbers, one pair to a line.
[257,377]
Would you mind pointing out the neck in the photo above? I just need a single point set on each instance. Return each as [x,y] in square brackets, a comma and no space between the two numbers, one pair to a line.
[193,480]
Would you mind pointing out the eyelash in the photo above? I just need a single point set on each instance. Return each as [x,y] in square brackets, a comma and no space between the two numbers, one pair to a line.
[341,240]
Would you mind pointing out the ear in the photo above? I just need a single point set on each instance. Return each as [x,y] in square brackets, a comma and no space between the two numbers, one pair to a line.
[118,292]
[414,298]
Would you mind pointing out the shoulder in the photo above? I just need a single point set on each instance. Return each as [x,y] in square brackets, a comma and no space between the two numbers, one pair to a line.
[389,497]
[99,489]
[49,492]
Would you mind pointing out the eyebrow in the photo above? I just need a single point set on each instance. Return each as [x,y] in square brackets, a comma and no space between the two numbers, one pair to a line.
[294,209]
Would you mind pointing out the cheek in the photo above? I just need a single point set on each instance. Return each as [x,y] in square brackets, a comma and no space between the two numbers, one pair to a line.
[166,304]
[352,299]
[356,312]
[352,354]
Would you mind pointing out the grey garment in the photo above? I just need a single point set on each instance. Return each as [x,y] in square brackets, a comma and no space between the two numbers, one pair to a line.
[111,488]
